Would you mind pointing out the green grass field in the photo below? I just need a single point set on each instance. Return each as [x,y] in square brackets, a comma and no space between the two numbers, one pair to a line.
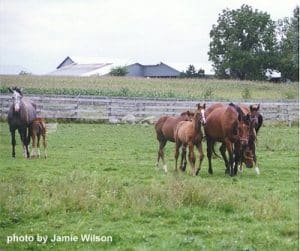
[101,179]
[193,89]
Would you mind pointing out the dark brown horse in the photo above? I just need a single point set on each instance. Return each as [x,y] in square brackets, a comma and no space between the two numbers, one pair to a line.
[20,115]
[165,129]
[189,134]
[228,125]
[256,121]
[38,130]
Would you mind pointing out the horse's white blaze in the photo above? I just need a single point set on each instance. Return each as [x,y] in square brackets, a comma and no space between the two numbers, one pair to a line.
[257,170]
[203,116]
[17,99]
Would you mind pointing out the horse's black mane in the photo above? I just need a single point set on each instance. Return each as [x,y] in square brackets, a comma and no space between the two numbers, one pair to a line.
[238,109]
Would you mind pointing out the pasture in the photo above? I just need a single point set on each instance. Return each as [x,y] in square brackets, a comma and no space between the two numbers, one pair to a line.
[101,179]
[191,89]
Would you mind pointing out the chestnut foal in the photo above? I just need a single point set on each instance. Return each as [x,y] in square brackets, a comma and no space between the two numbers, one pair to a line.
[38,129]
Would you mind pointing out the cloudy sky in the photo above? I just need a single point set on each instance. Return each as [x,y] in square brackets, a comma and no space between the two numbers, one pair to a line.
[38,35]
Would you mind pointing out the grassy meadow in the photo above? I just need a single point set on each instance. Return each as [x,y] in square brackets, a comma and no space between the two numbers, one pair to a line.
[193,89]
[101,179]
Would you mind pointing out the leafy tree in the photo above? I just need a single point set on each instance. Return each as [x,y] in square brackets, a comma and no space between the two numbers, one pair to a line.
[192,73]
[244,42]
[288,46]
[119,71]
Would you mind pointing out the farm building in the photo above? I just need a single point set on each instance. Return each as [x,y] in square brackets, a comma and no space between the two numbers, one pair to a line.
[160,70]
[74,66]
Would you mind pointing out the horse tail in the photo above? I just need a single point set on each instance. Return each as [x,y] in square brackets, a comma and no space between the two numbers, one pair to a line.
[213,150]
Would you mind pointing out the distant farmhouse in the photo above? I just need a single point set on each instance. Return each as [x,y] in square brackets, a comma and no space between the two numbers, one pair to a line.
[90,67]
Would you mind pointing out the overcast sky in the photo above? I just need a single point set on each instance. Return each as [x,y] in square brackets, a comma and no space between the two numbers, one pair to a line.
[38,35]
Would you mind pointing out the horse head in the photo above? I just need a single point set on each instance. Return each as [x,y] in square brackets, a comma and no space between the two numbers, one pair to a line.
[200,114]
[244,128]
[16,97]
[248,157]
[187,115]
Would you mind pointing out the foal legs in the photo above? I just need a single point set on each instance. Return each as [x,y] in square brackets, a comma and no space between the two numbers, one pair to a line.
[183,158]
[177,147]
[160,154]
[44,144]
[192,158]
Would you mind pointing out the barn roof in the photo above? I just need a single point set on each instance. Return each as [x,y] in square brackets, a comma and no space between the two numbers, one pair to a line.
[82,69]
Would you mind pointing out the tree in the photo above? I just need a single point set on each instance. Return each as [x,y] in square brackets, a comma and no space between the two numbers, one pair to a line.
[288,46]
[243,42]
[119,71]
[192,73]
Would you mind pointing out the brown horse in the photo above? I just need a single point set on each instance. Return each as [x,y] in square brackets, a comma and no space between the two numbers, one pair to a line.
[165,129]
[38,129]
[228,125]
[188,133]
[256,120]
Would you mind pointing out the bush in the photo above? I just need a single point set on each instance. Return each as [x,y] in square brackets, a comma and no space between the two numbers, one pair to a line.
[119,71]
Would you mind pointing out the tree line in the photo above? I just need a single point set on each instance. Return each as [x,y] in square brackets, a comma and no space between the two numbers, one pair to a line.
[246,42]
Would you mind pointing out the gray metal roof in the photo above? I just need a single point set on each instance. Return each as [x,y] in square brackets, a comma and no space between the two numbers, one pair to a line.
[158,70]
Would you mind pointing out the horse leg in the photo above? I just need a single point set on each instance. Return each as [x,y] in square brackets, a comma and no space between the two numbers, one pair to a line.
[33,150]
[192,158]
[13,141]
[183,158]
[231,159]
[160,153]
[177,147]
[201,156]
[223,153]
[255,160]
[38,145]
[22,132]
[237,157]
[209,154]
[44,144]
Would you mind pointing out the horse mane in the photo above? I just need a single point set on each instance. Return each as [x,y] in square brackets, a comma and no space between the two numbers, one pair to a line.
[238,109]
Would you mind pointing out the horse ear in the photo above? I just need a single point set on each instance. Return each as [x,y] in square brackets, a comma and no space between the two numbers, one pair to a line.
[204,105]
[258,106]
[251,108]
[10,90]
[198,106]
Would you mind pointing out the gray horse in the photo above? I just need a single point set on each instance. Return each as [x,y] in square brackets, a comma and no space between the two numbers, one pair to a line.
[20,115]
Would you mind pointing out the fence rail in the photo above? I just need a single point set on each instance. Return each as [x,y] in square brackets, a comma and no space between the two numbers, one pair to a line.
[114,109]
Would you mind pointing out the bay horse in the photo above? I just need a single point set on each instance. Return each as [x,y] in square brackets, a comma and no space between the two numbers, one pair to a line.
[256,121]
[189,134]
[227,124]
[165,129]
[20,115]
[38,130]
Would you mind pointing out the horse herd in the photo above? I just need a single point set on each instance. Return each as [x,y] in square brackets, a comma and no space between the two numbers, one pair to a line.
[235,127]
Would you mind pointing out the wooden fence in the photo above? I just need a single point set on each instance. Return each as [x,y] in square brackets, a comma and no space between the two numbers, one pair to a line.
[108,109]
